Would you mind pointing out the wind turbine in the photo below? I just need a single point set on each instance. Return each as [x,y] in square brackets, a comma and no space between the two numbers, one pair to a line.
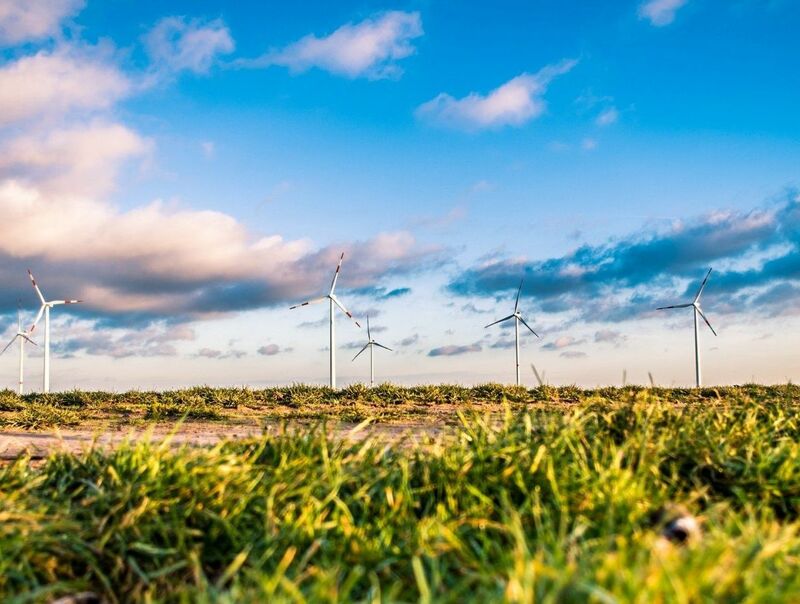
[371,345]
[23,336]
[332,300]
[45,309]
[539,378]
[517,318]
[696,310]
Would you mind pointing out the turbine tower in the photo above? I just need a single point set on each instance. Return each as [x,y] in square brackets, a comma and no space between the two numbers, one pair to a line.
[22,336]
[332,300]
[45,309]
[517,319]
[371,345]
[696,310]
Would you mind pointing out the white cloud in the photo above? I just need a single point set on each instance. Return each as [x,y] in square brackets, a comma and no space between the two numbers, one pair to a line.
[589,144]
[22,20]
[77,160]
[156,259]
[607,117]
[660,12]
[50,84]
[512,104]
[369,48]
[177,44]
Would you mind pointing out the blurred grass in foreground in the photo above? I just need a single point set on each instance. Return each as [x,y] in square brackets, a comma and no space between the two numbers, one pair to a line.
[555,503]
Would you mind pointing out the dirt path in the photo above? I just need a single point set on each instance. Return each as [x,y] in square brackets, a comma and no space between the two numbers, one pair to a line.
[39,445]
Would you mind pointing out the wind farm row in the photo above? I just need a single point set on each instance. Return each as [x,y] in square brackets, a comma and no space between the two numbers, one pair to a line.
[24,336]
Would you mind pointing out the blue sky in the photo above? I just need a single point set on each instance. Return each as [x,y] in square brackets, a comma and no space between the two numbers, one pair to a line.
[191,171]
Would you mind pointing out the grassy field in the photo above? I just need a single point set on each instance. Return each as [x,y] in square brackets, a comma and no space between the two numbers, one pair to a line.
[384,403]
[553,495]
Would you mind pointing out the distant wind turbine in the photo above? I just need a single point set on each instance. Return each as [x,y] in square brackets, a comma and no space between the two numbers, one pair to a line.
[696,310]
[371,345]
[22,336]
[539,378]
[517,318]
[45,309]
[332,300]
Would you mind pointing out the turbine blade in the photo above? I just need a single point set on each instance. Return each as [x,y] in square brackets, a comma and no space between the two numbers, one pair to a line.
[29,340]
[500,320]
[344,310]
[336,274]
[314,301]
[9,344]
[706,320]
[652,381]
[382,346]
[360,351]
[536,373]
[674,306]
[369,336]
[702,286]
[529,327]
[37,319]
[519,291]
[57,302]
[36,287]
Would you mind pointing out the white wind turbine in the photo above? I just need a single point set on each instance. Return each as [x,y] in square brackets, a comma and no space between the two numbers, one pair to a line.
[517,319]
[696,310]
[45,309]
[22,336]
[332,300]
[371,345]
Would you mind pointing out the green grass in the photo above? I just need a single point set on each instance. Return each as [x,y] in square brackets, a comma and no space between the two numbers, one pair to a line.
[553,503]
[384,403]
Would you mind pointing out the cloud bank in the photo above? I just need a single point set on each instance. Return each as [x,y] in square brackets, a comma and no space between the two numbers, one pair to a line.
[757,255]
[156,262]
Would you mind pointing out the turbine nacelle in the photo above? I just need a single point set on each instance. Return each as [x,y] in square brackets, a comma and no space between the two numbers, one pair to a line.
[46,304]
[695,304]
[25,335]
[516,314]
[371,342]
